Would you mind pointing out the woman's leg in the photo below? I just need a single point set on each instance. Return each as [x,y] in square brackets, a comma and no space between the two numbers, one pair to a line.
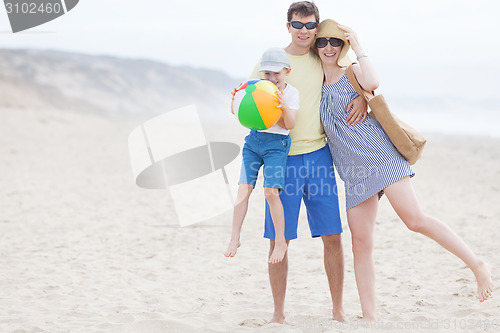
[403,200]
[361,221]
[239,213]
[276,208]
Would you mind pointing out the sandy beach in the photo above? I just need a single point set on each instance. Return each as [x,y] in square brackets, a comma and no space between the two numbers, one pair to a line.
[84,249]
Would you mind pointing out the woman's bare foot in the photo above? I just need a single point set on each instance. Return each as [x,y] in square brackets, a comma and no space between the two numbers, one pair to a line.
[278,252]
[484,281]
[232,248]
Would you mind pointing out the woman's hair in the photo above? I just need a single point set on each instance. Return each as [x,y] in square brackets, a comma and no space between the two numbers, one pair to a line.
[303,8]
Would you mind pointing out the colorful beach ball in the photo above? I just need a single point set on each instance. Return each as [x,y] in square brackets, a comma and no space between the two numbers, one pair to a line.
[255,104]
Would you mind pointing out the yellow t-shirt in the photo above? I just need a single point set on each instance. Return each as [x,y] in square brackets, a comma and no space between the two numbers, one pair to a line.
[308,134]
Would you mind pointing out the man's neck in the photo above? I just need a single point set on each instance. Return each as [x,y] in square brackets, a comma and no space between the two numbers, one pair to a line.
[295,50]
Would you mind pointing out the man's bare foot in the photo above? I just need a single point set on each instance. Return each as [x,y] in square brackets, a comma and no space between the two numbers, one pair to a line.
[278,252]
[484,281]
[277,318]
[232,248]
[339,316]
[369,319]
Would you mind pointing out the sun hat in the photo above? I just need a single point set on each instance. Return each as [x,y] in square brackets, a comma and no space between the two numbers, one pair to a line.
[274,60]
[329,28]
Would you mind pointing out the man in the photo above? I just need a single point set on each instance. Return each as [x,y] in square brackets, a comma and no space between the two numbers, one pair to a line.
[310,175]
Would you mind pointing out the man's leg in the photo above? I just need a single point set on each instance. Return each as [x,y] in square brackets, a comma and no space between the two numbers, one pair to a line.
[334,267]
[277,276]
[323,214]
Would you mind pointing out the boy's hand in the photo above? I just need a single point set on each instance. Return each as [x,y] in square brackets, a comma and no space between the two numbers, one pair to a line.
[283,105]
[234,92]
[232,100]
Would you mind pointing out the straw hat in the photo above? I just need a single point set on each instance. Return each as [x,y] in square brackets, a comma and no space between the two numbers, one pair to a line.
[328,28]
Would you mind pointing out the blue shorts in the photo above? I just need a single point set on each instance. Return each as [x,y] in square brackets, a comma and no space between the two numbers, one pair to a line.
[309,177]
[270,150]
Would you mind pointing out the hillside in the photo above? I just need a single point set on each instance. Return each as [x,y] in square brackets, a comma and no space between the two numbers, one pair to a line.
[104,84]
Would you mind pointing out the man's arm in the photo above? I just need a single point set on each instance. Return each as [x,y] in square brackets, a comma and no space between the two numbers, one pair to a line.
[357,110]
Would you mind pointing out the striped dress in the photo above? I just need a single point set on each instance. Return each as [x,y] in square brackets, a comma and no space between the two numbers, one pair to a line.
[365,158]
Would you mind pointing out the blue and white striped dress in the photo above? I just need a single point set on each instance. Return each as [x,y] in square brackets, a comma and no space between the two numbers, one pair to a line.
[365,158]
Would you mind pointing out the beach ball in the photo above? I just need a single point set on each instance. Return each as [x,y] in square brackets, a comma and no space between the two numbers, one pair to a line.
[255,104]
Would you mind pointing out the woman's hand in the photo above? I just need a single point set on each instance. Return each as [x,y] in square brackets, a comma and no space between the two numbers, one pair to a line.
[352,38]
[357,111]
[365,73]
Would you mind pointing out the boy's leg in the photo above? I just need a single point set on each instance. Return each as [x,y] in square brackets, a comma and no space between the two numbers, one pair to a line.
[239,213]
[276,209]
[275,163]
[251,163]
[291,197]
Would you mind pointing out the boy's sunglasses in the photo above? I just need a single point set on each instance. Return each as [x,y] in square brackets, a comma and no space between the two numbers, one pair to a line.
[323,42]
[299,25]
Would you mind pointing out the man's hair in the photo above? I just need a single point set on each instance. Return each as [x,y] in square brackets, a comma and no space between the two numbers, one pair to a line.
[303,8]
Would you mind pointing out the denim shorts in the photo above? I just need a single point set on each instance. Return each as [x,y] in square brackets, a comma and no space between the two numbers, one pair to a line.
[270,150]
[310,178]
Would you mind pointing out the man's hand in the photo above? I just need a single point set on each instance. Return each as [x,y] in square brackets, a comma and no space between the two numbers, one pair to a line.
[357,111]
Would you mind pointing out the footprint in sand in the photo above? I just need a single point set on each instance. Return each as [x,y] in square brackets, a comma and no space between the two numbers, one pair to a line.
[253,322]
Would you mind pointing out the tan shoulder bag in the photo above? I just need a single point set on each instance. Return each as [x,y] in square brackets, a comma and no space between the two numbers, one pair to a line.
[406,139]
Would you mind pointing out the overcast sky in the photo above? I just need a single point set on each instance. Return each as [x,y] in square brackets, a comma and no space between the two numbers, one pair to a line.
[230,35]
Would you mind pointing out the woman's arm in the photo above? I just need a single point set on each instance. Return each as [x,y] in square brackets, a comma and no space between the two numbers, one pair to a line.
[364,71]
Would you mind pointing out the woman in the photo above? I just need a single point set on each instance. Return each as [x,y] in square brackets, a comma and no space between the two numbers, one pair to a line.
[370,166]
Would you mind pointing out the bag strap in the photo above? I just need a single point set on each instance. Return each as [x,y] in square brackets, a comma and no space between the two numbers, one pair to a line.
[355,84]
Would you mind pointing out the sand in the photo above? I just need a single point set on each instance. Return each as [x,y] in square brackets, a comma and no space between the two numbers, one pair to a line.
[84,249]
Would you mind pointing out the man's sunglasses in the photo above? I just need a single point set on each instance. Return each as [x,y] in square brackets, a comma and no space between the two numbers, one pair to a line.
[299,25]
[323,42]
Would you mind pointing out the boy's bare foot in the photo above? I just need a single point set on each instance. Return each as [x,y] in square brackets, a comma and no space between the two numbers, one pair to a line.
[232,248]
[278,252]
[278,319]
[484,281]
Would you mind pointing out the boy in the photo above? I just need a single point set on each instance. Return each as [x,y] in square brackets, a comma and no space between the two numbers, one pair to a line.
[270,148]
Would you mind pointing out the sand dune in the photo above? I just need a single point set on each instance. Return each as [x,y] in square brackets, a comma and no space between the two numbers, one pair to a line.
[85,250]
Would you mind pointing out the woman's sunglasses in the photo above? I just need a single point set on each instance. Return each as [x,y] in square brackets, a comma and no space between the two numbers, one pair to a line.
[323,42]
[299,25]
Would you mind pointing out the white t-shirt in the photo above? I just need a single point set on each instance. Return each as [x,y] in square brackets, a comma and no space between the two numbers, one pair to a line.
[292,98]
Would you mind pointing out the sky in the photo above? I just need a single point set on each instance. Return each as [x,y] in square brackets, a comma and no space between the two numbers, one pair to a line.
[418,47]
